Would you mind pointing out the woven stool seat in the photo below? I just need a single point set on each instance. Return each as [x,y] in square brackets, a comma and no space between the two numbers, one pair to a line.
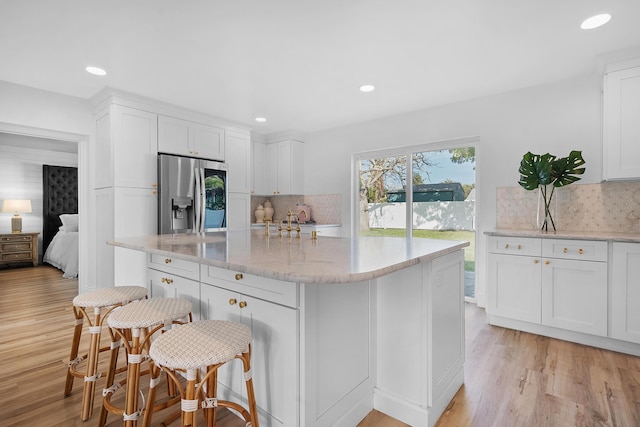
[200,344]
[110,296]
[148,313]
[140,321]
[95,307]
[196,351]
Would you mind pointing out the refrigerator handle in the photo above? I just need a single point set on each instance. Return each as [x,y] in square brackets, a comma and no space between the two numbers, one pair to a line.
[198,200]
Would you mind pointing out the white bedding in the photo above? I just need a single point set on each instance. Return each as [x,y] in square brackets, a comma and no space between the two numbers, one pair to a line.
[62,253]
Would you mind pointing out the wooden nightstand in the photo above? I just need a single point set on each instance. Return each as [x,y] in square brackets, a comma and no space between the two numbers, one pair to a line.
[19,247]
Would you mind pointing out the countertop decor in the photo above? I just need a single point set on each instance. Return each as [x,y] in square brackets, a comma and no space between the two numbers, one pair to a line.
[546,172]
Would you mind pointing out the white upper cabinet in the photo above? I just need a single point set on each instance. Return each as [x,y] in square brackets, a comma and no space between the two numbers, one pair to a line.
[238,154]
[285,169]
[185,138]
[621,127]
[126,149]
[259,158]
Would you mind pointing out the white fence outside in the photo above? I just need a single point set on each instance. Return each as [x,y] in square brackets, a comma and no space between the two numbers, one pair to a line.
[426,215]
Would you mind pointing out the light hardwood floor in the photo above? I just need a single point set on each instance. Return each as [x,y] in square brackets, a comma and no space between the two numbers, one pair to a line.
[511,378]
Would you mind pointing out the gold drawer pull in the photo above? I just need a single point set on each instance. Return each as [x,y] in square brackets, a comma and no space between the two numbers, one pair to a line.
[519,246]
[535,261]
[580,251]
[238,276]
[232,301]
[547,262]
[166,280]
[167,260]
[242,304]
[506,246]
[565,250]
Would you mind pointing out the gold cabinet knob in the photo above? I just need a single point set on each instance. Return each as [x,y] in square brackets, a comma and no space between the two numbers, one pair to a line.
[565,250]
[547,262]
[167,260]
[519,246]
[506,246]
[238,276]
[166,280]
[232,301]
[154,185]
[535,261]
[154,192]
[242,304]
[580,251]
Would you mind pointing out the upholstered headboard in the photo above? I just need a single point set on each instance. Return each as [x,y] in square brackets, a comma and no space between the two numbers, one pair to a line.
[60,196]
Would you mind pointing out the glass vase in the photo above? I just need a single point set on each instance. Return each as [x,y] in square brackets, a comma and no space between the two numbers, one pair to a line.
[547,208]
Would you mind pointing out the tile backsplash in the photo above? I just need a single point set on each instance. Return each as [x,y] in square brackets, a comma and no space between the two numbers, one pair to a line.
[325,208]
[604,207]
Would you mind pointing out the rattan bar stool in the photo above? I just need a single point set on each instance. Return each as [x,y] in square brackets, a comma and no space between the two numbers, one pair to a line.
[205,346]
[140,321]
[107,299]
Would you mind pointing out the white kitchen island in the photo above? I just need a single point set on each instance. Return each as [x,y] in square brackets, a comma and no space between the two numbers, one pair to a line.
[340,326]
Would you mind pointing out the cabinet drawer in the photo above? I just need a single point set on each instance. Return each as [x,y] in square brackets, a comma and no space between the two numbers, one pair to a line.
[514,245]
[285,293]
[17,247]
[17,256]
[15,239]
[188,269]
[585,250]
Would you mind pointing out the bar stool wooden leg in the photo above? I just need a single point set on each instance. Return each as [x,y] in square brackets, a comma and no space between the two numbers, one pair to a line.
[111,372]
[92,365]
[75,344]
[251,398]
[211,411]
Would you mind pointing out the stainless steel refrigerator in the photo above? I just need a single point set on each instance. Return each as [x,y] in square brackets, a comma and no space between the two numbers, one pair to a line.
[192,195]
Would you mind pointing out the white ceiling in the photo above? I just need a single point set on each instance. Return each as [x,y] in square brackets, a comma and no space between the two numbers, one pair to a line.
[299,63]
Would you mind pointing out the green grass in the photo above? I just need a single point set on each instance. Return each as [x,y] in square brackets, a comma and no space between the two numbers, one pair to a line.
[470,236]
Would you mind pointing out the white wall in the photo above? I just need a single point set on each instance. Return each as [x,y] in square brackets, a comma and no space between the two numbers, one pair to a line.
[555,118]
[34,112]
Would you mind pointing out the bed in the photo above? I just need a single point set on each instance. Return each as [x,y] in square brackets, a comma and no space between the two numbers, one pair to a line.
[60,218]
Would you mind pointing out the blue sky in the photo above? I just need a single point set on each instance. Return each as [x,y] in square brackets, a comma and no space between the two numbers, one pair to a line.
[462,173]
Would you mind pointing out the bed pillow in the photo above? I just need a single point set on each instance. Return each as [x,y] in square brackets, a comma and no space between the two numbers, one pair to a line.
[69,222]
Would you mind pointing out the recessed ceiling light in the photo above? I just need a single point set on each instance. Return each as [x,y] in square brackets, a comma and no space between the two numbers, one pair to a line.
[261,119]
[367,88]
[595,21]
[96,71]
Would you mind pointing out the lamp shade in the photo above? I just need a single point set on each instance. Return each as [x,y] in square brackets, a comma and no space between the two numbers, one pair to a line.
[16,206]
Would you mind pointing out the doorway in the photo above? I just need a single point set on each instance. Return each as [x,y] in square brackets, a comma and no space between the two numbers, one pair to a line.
[438,202]
[69,142]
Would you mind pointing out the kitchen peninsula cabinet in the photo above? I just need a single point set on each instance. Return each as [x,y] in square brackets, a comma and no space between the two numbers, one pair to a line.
[621,128]
[275,356]
[625,291]
[174,278]
[186,138]
[340,326]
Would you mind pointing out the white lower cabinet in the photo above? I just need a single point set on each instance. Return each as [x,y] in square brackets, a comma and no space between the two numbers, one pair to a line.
[625,292]
[552,282]
[168,283]
[574,295]
[274,347]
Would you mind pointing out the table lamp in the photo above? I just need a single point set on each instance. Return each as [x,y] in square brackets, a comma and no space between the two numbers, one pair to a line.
[17,207]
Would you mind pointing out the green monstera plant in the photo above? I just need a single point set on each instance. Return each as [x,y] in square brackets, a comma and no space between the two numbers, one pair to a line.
[542,171]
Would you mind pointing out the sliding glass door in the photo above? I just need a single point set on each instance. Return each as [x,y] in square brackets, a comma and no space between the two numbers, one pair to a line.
[438,202]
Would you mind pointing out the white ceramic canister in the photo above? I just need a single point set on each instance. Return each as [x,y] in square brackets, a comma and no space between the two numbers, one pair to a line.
[268,211]
[259,214]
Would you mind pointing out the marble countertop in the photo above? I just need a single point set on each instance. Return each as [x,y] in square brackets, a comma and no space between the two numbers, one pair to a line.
[572,235]
[295,259]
